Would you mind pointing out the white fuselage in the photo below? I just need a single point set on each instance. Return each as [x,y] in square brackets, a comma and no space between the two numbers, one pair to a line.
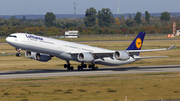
[61,49]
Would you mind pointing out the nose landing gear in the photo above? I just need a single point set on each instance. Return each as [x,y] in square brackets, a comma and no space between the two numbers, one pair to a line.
[18,54]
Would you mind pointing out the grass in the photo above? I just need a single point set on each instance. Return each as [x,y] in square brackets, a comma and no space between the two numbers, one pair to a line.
[135,86]
[32,79]
[81,90]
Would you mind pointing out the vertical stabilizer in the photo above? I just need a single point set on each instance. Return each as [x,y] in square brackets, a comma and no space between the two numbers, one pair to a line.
[137,42]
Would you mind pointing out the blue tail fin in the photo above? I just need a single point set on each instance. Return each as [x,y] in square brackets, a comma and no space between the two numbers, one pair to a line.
[137,42]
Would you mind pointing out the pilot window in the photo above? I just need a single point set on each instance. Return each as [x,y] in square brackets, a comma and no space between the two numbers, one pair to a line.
[13,36]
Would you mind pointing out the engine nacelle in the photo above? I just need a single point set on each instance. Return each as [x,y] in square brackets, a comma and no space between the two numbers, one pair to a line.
[30,55]
[38,56]
[85,57]
[42,57]
[121,55]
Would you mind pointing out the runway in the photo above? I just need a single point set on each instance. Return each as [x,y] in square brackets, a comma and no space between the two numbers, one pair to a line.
[101,71]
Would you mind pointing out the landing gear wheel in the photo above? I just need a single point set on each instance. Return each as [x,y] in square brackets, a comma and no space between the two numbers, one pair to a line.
[65,65]
[90,66]
[95,68]
[71,68]
[18,54]
[68,66]
[80,68]
[84,66]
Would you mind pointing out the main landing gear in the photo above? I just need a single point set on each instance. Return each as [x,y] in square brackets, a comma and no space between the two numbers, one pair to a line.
[80,67]
[91,66]
[68,66]
[18,54]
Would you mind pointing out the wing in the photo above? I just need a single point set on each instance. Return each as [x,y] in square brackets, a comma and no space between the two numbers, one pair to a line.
[97,55]
[133,53]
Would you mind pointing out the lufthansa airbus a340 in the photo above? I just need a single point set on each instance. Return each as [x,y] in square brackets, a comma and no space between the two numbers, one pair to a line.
[43,49]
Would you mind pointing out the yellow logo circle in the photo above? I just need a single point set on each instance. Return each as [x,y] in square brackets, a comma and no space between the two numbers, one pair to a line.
[138,43]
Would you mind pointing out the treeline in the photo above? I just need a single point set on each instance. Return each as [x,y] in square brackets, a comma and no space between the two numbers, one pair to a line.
[94,22]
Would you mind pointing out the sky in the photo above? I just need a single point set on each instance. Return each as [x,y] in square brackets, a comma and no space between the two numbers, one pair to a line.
[23,7]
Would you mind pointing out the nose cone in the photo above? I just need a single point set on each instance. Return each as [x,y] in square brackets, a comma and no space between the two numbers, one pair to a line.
[10,40]
[7,39]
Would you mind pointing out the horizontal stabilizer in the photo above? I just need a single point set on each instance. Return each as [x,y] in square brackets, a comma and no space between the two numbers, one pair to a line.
[149,50]
[137,57]
[171,47]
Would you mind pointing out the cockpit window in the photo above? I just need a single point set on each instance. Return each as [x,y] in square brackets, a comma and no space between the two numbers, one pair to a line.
[14,36]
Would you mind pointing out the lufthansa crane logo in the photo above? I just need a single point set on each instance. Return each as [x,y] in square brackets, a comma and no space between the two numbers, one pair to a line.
[138,43]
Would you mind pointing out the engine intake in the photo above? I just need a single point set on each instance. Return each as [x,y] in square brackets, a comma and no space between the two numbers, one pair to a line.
[121,55]
[85,57]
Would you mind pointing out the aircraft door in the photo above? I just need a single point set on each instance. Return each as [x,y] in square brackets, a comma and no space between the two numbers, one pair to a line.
[23,39]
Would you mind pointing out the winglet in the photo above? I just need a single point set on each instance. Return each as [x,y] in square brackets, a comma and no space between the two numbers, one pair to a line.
[171,47]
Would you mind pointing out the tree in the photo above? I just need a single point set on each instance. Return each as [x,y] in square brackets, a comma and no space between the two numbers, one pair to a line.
[14,21]
[99,31]
[105,17]
[64,23]
[138,17]
[90,17]
[122,17]
[147,16]
[24,18]
[129,22]
[165,16]
[49,18]
[2,21]
[130,16]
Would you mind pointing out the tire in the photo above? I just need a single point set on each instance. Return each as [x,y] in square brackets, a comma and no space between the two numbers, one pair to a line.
[79,67]
[65,65]
[18,54]
[90,66]
[68,68]
[72,68]
[84,66]
[96,68]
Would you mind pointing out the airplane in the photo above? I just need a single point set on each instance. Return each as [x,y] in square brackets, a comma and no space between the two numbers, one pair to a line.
[43,49]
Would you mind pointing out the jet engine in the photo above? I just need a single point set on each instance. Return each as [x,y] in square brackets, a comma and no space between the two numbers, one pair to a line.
[121,55]
[38,56]
[85,57]
[30,55]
